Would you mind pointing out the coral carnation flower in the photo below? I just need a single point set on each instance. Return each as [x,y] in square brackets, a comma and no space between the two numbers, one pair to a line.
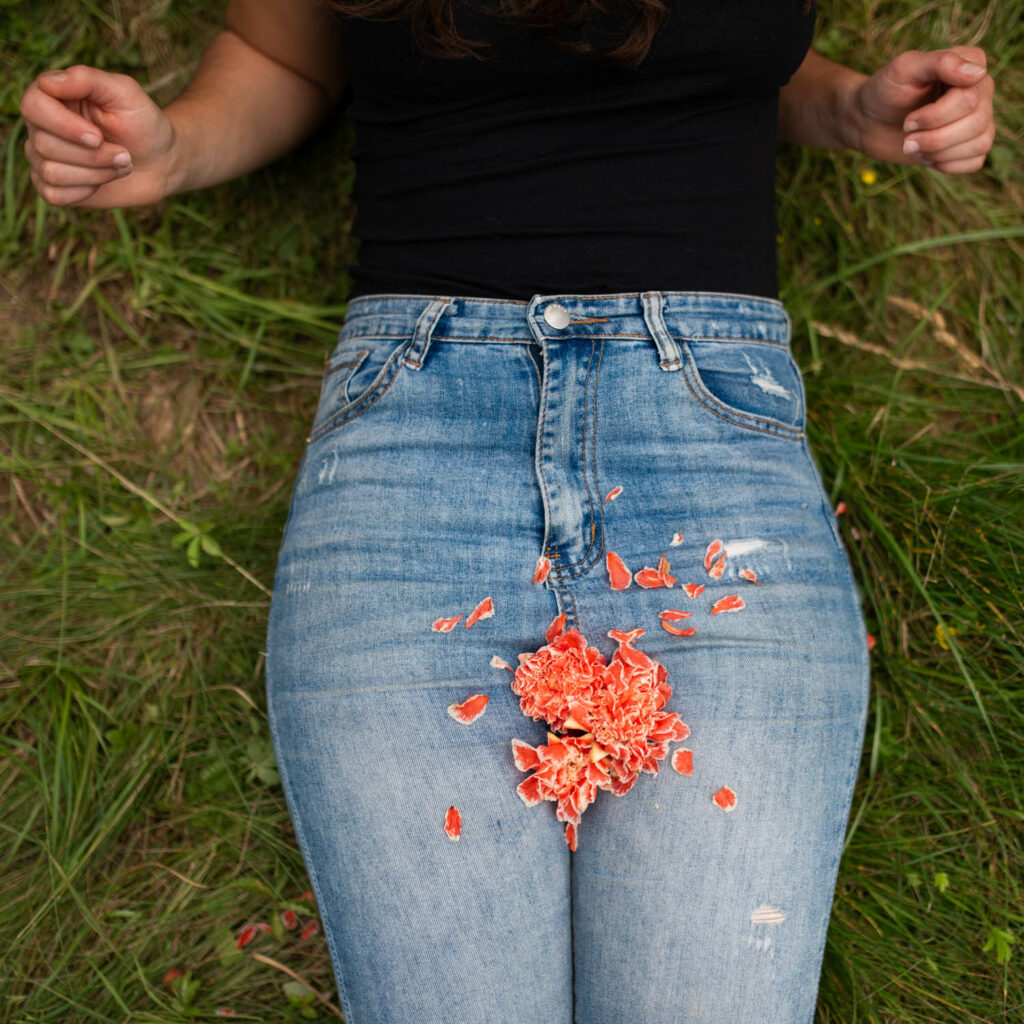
[565,772]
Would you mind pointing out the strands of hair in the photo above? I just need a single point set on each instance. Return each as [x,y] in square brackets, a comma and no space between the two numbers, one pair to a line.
[432,23]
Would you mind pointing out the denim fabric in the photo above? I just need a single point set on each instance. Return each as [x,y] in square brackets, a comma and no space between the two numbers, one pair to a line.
[455,441]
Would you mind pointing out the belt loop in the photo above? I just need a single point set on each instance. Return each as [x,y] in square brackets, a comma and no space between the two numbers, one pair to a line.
[425,324]
[668,351]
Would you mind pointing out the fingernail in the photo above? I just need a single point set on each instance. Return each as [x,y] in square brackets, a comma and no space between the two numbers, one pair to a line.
[91,140]
[56,75]
[122,160]
[911,126]
[911,146]
[122,171]
[971,69]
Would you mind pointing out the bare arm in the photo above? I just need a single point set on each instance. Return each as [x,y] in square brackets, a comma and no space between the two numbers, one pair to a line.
[815,104]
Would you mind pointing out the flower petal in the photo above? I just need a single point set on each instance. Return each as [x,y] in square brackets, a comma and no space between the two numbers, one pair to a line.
[693,590]
[682,761]
[612,494]
[470,709]
[618,575]
[525,756]
[677,632]
[677,539]
[749,575]
[554,631]
[725,798]
[541,570]
[445,625]
[452,824]
[729,603]
[674,614]
[570,836]
[484,610]
[497,662]
[714,559]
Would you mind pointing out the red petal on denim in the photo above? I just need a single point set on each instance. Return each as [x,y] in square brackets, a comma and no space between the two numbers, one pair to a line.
[445,625]
[730,603]
[618,575]
[525,756]
[530,792]
[497,662]
[677,539]
[693,589]
[681,731]
[570,836]
[290,919]
[725,798]
[677,632]
[245,936]
[650,578]
[453,823]
[716,550]
[540,572]
[626,638]
[554,631]
[682,761]
[470,709]
[612,494]
[749,575]
[312,927]
[484,610]
[674,615]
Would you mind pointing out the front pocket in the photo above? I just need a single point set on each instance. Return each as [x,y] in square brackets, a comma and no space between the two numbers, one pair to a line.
[752,384]
[358,373]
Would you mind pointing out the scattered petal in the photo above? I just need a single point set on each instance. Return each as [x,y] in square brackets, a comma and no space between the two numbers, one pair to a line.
[682,761]
[312,927]
[669,628]
[484,610]
[611,496]
[470,709]
[840,508]
[224,1011]
[693,589]
[871,641]
[648,577]
[570,836]
[445,625]
[497,662]
[307,894]
[174,974]
[540,572]
[618,575]
[290,919]
[554,631]
[729,603]
[714,559]
[749,575]
[677,539]
[261,926]
[246,935]
[725,798]
[626,638]
[674,614]
[453,823]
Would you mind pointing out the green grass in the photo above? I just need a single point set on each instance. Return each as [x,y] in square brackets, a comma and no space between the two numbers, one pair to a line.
[160,368]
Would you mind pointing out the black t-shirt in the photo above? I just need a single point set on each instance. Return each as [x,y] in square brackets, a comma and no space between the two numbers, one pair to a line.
[543,172]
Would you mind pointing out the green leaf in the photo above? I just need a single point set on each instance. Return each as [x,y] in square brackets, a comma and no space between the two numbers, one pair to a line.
[210,546]
[193,551]
[1001,942]
[941,881]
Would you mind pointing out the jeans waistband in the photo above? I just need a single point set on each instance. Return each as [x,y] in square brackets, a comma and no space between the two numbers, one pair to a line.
[659,316]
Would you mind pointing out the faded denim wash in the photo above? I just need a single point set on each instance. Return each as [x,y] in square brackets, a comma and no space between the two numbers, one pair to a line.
[456,440]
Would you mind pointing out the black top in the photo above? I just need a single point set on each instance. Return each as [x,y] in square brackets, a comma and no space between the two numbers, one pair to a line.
[541,172]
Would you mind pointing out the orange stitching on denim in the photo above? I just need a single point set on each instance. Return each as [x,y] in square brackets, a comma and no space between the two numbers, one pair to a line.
[592,320]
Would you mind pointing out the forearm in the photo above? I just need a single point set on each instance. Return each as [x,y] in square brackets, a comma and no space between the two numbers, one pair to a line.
[816,106]
[240,111]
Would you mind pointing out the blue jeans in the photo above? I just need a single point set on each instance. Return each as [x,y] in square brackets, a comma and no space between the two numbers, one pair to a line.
[456,441]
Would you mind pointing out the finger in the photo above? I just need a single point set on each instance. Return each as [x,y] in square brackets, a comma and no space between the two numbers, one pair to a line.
[923,67]
[978,146]
[47,146]
[47,112]
[81,82]
[970,127]
[953,104]
[57,196]
[961,166]
[71,175]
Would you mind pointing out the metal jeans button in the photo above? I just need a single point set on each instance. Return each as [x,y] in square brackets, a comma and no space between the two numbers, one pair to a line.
[557,316]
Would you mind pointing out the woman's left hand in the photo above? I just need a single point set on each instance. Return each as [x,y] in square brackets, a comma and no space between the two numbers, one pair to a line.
[930,107]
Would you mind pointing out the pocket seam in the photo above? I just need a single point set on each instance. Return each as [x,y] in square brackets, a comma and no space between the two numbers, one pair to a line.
[747,420]
[352,410]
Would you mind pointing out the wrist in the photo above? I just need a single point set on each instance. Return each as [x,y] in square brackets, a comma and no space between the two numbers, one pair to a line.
[179,158]
[851,124]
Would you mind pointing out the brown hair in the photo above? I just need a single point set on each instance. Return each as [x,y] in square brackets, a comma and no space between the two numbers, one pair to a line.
[432,23]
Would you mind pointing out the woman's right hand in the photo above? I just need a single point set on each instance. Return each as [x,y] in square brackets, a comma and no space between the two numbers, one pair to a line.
[96,140]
